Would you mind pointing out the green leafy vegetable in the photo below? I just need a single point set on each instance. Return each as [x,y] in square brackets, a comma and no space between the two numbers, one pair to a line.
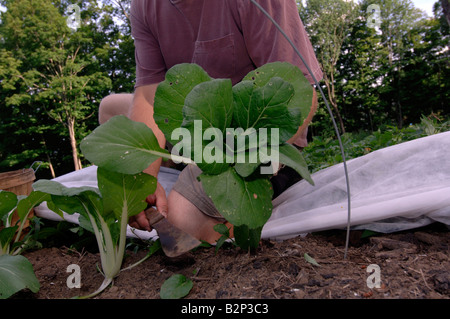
[233,195]
[171,94]
[8,202]
[108,208]
[223,230]
[16,273]
[123,146]
[300,104]
[10,235]
[265,107]
[228,131]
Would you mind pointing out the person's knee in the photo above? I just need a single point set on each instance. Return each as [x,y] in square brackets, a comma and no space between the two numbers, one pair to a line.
[114,104]
[104,109]
[187,217]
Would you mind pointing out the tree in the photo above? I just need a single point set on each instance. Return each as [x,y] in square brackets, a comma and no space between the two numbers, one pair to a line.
[360,77]
[52,72]
[392,74]
[328,23]
[445,4]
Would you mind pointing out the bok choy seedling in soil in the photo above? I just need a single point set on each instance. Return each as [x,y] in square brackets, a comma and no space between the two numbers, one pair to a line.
[16,272]
[105,211]
[274,99]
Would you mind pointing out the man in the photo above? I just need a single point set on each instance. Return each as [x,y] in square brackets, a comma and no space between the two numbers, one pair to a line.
[228,38]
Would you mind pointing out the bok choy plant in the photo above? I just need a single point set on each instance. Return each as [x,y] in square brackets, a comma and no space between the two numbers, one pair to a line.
[230,132]
[16,272]
[106,210]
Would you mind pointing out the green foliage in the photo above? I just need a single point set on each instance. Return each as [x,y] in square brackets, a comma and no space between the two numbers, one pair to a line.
[106,210]
[53,78]
[390,76]
[16,273]
[176,287]
[323,152]
[122,145]
[10,235]
[223,230]
[171,94]
[239,191]
[266,98]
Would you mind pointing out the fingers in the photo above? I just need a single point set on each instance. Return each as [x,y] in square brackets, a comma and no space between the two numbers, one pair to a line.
[140,221]
[159,199]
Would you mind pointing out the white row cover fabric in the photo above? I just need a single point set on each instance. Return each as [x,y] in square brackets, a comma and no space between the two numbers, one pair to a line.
[397,188]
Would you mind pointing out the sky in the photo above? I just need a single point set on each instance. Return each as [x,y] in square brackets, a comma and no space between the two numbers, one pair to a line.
[426,5]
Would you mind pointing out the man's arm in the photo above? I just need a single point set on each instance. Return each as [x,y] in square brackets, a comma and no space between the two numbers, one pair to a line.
[299,138]
[142,111]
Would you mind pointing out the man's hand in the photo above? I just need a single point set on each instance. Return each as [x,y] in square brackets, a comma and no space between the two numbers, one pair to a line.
[158,199]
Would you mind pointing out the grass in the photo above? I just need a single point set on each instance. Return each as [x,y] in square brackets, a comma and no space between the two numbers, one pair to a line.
[324,152]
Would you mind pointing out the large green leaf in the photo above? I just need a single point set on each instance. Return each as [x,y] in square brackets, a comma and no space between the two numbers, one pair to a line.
[26,204]
[70,200]
[16,273]
[291,157]
[265,107]
[171,94]
[123,191]
[207,114]
[58,189]
[300,104]
[210,102]
[122,145]
[246,169]
[241,201]
[287,155]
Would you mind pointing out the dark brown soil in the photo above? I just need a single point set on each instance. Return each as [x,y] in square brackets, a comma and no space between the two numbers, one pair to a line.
[413,264]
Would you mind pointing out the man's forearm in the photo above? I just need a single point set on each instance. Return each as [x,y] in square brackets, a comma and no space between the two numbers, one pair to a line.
[300,137]
[142,111]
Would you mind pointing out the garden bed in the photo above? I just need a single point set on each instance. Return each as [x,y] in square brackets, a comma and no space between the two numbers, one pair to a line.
[413,264]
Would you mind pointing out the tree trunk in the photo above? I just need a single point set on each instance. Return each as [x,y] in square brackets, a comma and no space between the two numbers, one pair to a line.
[446,9]
[52,170]
[333,102]
[73,144]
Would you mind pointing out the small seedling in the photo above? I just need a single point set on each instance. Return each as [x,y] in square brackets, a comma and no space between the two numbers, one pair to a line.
[105,211]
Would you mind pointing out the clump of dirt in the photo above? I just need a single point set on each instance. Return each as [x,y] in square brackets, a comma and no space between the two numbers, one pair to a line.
[412,264]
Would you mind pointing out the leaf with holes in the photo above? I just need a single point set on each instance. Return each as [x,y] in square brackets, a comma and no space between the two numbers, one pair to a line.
[171,94]
[241,201]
